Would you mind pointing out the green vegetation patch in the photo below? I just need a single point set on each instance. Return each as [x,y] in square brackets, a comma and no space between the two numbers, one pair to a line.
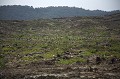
[71,61]
[2,62]
[52,53]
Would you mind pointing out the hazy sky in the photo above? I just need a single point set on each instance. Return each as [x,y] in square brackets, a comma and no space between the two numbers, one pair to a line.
[107,5]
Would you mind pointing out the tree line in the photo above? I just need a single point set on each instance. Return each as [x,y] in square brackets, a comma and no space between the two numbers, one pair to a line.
[18,12]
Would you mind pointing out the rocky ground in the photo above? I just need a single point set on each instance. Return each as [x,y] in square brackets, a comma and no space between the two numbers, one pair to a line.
[73,71]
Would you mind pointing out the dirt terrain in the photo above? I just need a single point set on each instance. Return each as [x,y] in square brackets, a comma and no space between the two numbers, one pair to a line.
[61,48]
[108,71]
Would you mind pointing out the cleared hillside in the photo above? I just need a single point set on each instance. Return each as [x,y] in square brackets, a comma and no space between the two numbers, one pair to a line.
[60,45]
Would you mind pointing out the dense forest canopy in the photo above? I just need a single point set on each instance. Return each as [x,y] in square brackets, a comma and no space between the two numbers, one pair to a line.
[18,12]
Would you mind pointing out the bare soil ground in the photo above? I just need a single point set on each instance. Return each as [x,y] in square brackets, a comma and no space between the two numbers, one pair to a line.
[102,71]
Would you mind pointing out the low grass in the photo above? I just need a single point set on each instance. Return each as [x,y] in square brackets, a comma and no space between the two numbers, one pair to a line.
[2,62]
[71,61]
[52,53]
[51,37]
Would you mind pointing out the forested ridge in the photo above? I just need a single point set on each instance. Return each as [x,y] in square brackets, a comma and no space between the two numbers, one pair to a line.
[18,12]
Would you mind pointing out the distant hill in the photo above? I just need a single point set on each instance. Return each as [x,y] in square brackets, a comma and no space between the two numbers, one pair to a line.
[18,12]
